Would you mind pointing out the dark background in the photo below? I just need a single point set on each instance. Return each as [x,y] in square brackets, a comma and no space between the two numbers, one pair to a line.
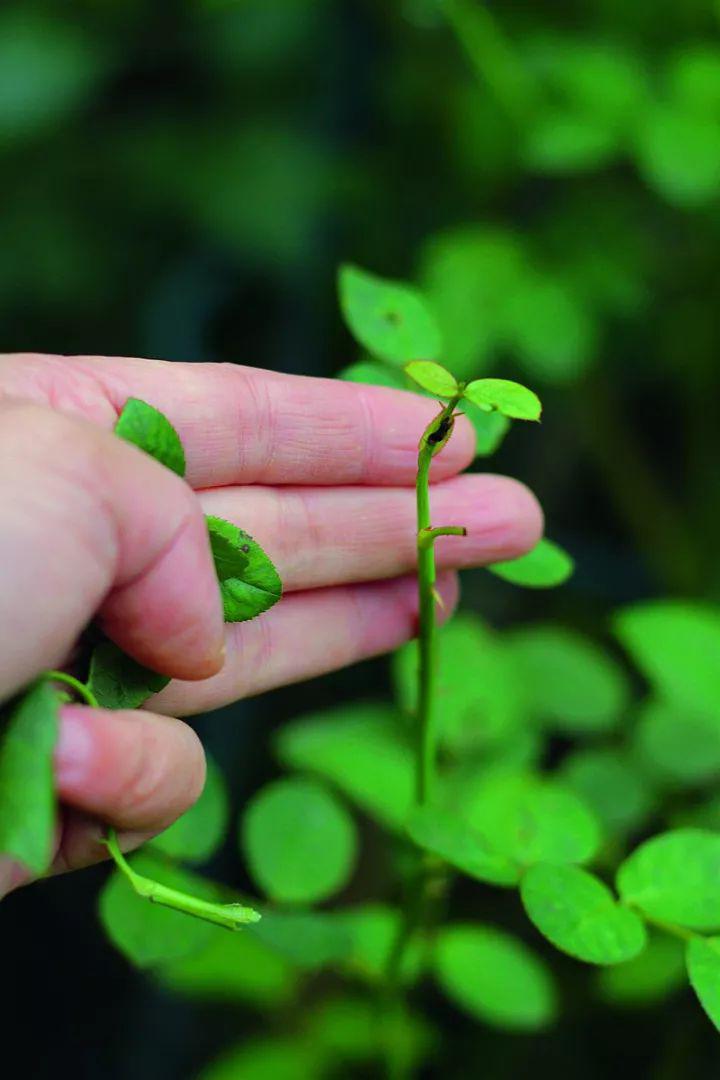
[181,179]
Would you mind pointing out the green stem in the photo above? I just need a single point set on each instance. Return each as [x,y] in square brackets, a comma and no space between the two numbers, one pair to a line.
[230,916]
[426,535]
[79,687]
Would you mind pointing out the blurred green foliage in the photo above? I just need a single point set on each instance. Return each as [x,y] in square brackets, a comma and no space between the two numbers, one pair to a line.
[181,179]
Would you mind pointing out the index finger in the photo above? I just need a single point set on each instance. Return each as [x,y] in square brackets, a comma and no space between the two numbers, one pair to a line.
[243,425]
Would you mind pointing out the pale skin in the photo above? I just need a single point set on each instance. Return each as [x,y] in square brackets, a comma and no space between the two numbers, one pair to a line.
[320,472]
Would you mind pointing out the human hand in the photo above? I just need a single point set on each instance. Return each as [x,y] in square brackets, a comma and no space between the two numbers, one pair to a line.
[320,472]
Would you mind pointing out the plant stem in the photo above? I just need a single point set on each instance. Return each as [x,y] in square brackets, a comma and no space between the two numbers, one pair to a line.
[230,916]
[79,687]
[426,535]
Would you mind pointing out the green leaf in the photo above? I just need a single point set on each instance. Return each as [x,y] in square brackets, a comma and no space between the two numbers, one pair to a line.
[198,833]
[676,645]
[279,1058]
[373,930]
[550,329]
[477,697]
[545,567]
[347,1030]
[299,841]
[494,977]
[563,141]
[359,750]
[694,79]
[146,427]
[375,374]
[118,681]
[432,377]
[27,789]
[490,428]
[231,967]
[530,819]
[146,933]
[676,746]
[392,320]
[572,684]
[650,977]
[579,915]
[249,590]
[453,840]
[509,398]
[703,966]
[309,940]
[678,153]
[675,877]
[611,785]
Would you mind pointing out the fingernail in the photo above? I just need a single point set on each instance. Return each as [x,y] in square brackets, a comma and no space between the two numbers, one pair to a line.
[74,750]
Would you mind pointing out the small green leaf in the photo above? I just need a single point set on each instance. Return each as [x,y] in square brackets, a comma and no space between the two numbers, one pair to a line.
[545,567]
[509,398]
[373,373]
[146,427]
[118,681]
[678,153]
[149,934]
[571,683]
[196,835]
[703,966]
[27,790]
[579,915]
[373,930]
[392,320]
[359,750]
[231,967]
[675,877]
[432,377]
[309,940]
[564,141]
[247,590]
[611,785]
[495,977]
[299,841]
[347,1029]
[650,977]
[453,840]
[530,819]
[278,1058]
[676,746]
[676,645]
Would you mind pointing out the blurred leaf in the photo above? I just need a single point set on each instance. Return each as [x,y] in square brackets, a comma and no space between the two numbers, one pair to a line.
[453,840]
[432,377]
[613,788]
[147,428]
[703,965]
[347,1030]
[494,977]
[247,590]
[693,79]
[676,746]
[279,1058]
[299,841]
[198,833]
[477,699]
[28,734]
[545,567]
[549,328]
[509,398]
[309,940]
[675,877]
[468,274]
[676,645]
[490,427]
[579,915]
[231,967]
[358,748]
[570,682]
[373,929]
[118,681]
[391,320]
[376,374]
[562,141]
[49,68]
[648,978]
[530,819]
[146,933]
[678,154]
